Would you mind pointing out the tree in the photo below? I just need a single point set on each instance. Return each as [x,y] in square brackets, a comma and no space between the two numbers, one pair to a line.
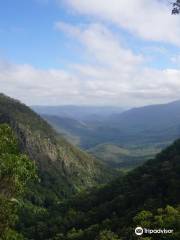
[75,234]
[167,218]
[16,170]
[176,7]
[107,235]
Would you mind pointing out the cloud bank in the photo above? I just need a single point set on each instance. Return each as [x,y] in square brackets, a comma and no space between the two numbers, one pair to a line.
[151,20]
[115,76]
[113,73]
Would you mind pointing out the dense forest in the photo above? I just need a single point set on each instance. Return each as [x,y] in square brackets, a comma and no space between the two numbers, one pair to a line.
[148,196]
[63,168]
[16,171]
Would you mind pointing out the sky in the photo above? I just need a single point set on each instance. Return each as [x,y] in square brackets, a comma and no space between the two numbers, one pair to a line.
[86,52]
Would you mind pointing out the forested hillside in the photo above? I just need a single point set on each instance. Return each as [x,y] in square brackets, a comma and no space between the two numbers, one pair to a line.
[148,196]
[63,169]
[17,171]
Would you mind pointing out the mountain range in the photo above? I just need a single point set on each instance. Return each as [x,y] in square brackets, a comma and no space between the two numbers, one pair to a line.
[121,139]
[81,113]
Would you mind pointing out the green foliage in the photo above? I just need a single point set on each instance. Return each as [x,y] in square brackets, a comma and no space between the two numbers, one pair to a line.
[125,158]
[75,234]
[143,219]
[62,168]
[128,201]
[16,171]
[167,218]
[107,235]
[102,213]
[12,235]
[8,143]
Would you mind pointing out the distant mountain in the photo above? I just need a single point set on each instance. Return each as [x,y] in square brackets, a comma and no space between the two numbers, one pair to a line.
[146,129]
[81,113]
[150,124]
[69,127]
[76,131]
[154,122]
[63,168]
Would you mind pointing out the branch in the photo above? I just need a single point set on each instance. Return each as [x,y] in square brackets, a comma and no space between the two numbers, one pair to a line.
[176,7]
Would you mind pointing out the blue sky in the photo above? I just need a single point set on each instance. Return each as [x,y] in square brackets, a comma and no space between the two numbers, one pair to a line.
[27,33]
[89,52]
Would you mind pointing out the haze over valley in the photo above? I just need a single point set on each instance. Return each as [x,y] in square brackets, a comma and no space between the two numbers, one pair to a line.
[90,120]
[121,138]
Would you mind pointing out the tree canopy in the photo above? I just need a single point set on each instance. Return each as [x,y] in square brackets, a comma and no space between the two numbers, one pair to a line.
[176,7]
[16,170]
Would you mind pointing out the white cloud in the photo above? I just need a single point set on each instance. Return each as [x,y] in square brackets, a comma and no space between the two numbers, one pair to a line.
[115,76]
[89,85]
[149,19]
[176,59]
[102,45]
[33,85]
[118,74]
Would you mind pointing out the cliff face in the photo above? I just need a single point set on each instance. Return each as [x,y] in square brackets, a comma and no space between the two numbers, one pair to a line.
[62,168]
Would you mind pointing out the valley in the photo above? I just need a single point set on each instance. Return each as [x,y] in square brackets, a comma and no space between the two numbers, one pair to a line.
[122,139]
[67,194]
[90,120]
